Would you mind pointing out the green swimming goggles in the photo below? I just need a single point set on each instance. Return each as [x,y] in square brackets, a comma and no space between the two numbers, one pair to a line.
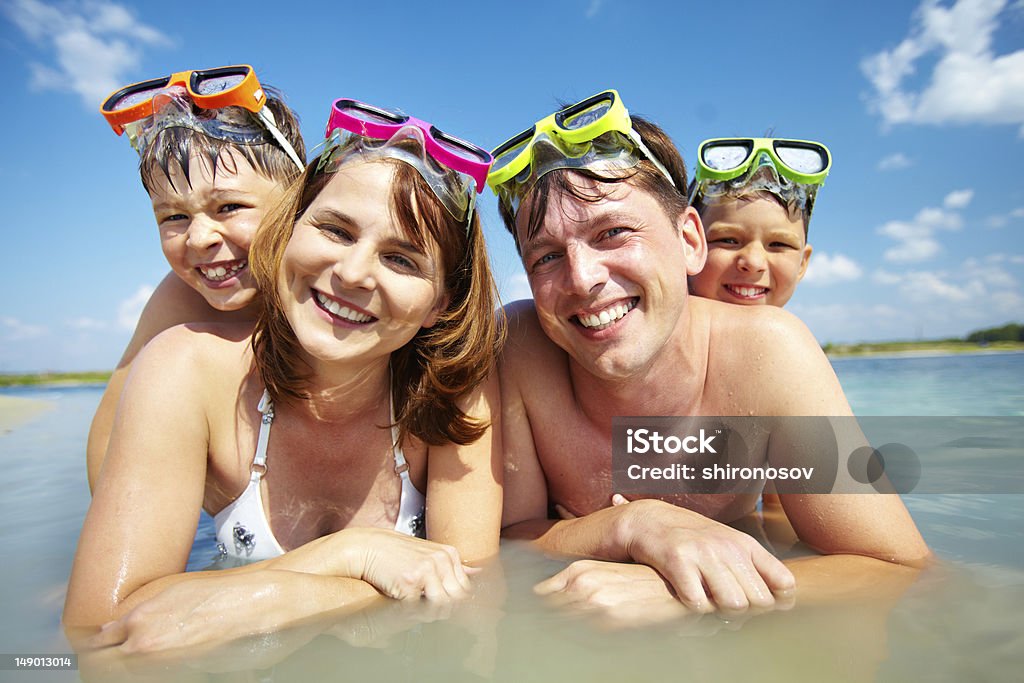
[790,169]
[595,133]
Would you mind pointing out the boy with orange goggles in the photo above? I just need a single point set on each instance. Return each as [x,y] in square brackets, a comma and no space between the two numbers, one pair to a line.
[216,152]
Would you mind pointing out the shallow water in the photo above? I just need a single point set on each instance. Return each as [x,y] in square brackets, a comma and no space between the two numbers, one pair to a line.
[961,620]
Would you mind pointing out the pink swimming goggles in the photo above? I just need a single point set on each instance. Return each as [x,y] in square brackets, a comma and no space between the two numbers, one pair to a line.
[456,170]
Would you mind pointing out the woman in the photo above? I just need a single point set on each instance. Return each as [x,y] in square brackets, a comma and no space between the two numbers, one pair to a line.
[365,382]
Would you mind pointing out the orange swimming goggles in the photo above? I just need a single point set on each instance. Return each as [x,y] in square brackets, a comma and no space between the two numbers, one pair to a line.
[208,89]
[226,86]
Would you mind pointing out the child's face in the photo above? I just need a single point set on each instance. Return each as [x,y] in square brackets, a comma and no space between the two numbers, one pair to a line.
[207,222]
[756,253]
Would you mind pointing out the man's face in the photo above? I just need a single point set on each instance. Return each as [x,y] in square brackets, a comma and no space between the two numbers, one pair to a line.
[609,276]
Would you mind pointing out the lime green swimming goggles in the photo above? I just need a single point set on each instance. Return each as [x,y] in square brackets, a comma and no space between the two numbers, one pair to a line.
[790,169]
[595,133]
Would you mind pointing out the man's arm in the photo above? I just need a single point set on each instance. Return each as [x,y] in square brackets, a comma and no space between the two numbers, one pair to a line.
[869,524]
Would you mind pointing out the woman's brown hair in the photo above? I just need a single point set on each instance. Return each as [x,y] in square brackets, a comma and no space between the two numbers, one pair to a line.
[441,364]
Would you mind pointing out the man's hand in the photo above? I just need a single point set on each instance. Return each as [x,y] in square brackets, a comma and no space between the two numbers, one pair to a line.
[632,595]
[708,564]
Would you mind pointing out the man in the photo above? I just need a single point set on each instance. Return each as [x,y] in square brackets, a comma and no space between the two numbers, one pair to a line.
[595,202]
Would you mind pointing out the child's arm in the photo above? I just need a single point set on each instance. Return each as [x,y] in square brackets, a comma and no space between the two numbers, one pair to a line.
[173,303]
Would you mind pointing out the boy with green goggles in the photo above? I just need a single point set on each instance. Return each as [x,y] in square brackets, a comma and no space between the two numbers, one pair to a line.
[791,169]
[754,197]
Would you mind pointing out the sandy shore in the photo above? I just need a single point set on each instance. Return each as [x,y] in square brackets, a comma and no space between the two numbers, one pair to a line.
[16,411]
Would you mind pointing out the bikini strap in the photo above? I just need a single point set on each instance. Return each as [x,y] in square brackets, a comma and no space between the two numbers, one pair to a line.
[259,461]
[401,466]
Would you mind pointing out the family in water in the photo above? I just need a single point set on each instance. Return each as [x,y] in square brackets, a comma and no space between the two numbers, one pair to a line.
[328,372]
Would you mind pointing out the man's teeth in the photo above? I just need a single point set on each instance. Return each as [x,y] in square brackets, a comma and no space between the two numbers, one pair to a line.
[748,291]
[606,317]
[342,311]
[218,273]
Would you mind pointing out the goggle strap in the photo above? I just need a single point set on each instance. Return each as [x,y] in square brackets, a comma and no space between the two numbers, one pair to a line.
[267,117]
[635,137]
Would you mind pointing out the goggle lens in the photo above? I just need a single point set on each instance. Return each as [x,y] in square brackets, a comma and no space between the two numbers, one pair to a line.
[142,94]
[457,147]
[725,157]
[218,84]
[802,159]
[586,116]
[512,149]
[374,115]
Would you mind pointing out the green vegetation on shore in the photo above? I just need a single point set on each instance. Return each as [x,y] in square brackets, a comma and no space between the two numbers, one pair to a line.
[941,346]
[54,378]
[1009,337]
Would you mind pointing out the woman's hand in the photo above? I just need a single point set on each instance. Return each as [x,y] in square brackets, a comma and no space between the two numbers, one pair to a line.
[404,568]
[399,566]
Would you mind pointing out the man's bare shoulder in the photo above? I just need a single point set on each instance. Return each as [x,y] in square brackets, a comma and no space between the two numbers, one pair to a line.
[771,331]
[527,347]
[765,362]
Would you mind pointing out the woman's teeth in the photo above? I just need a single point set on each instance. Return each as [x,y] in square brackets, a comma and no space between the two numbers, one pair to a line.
[342,311]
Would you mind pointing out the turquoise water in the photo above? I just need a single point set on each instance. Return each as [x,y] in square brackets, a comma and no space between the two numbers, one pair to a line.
[960,621]
[968,384]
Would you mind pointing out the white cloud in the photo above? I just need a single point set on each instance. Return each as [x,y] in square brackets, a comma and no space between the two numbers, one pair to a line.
[827,269]
[975,284]
[969,83]
[129,310]
[894,162]
[847,321]
[958,199]
[1002,220]
[593,8]
[86,324]
[916,238]
[16,330]
[95,45]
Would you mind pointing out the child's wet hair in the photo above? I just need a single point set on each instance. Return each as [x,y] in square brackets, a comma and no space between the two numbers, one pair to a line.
[177,145]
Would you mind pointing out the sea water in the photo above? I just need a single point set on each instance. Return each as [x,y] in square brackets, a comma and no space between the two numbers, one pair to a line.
[960,620]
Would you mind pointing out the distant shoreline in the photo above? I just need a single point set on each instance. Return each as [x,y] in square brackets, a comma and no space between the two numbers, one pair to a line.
[869,349]
[919,349]
[54,379]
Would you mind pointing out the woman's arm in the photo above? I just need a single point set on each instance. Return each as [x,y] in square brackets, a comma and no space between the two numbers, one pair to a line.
[464,483]
[146,507]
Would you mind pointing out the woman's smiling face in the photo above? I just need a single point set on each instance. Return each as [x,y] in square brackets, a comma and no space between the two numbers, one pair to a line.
[353,285]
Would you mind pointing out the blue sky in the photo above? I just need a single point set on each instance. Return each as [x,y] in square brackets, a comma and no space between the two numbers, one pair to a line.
[917,234]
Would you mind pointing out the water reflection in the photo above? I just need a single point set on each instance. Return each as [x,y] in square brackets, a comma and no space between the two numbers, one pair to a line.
[960,620]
